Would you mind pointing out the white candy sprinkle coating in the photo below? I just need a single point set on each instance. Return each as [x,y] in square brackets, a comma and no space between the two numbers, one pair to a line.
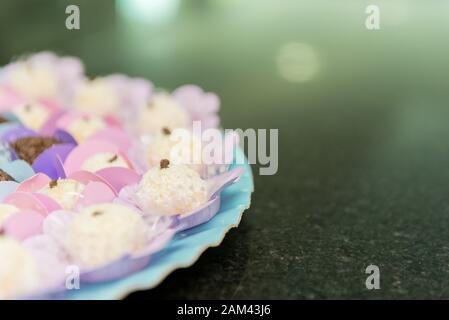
[83,128]
[66,192]
[97,97]
[103,160]
[19,273]
[33,81]
[6,210]
[32,115]
[162,112]
[101,233]
[174,190]
[185,149]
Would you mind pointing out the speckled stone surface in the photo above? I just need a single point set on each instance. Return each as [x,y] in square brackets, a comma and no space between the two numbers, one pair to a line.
[364,145]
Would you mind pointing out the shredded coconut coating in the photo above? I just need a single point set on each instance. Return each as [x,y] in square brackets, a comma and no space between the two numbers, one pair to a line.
[162,112]
[32,115]
[103,160]
[102,233]
[66,192]
[19,274]
[176,189]
[179,149]
[83,128]
[6,210]
[33,81]
[97,97]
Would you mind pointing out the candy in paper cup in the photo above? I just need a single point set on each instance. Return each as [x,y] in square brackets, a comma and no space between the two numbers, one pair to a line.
[51,160]
[95,191]
[47,109]
[82,152]
[56,225]
[128,264]
[202,214]
[85,126]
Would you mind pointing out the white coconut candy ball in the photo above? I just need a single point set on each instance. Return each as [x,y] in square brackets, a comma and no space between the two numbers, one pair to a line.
[32,115]
[6,210]
[83,127]
[103,160]
[66,192]
[102,233]
[162,112]
[180,148]
[97,97]
[171,189]
[19,273]
[33,81]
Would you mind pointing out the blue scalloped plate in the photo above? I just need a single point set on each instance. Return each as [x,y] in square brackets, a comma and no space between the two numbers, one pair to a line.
[184,249]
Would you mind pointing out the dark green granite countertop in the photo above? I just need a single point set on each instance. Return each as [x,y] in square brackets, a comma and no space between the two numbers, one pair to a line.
[364,142]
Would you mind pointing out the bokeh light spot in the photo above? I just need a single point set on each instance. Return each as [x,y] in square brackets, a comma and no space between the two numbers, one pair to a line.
[297,62]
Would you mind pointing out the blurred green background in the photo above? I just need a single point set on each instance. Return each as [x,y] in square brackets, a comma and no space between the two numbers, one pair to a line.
[363,118]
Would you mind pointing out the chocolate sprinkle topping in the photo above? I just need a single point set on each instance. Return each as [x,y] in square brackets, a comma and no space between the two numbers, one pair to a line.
[166,131]
[113,159]
[97,213]
[5,176]
[3,120]
[53,183]
[29,148]
[164,163]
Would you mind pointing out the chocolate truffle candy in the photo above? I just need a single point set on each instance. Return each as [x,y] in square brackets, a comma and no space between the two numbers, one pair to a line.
[29,148]
[3,120]
[4,176]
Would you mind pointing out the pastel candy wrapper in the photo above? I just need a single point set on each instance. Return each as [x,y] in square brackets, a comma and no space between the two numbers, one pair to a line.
[24,224]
